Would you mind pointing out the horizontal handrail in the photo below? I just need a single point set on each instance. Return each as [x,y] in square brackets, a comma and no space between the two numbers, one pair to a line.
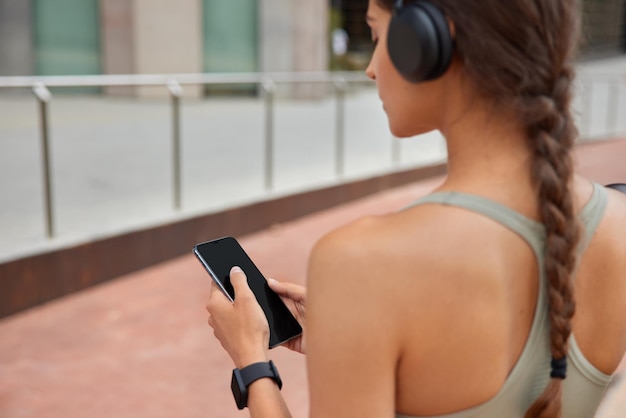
[186,79]
[103,80]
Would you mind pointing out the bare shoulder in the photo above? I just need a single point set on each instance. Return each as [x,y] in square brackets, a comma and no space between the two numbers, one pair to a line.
[353,258]
[373,243]
[608,244]
[599,324]
[423,252]
[611,231]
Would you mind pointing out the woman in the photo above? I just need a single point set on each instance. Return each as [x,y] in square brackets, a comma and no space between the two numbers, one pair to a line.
[463,304]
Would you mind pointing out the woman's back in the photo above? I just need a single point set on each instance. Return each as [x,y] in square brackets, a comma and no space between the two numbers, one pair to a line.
[460,291]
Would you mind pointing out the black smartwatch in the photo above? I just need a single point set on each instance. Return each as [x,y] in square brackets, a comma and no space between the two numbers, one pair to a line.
[242,378]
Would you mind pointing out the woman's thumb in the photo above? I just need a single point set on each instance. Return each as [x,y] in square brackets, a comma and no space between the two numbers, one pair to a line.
[238,280]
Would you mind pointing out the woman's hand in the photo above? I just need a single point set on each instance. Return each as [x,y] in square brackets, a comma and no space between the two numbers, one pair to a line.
[241,327]
[294,297]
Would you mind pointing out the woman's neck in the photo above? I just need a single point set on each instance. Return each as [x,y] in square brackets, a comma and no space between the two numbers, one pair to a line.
[486,149]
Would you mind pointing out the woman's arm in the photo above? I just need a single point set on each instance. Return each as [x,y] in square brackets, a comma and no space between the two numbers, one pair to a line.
[266,401]
[352,342]
[243,331]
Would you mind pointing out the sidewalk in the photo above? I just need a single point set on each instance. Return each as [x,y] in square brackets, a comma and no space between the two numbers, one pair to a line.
[139,346]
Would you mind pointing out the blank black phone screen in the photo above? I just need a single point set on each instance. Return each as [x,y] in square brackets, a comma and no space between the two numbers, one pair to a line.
[219,256]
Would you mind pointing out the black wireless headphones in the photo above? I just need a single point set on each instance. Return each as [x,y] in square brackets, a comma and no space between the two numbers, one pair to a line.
[419,41]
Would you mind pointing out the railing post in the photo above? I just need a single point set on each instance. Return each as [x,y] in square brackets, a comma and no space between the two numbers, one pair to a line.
[341,86]
[587,106]
[396,151]
[269,88]
[43,98]
[613,103]
[176,92]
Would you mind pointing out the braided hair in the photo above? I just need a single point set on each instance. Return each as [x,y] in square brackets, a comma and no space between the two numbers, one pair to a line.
[519,53]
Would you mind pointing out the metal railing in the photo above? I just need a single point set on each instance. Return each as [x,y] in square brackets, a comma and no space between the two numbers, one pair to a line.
[174,83]
[267,82]
[588,83]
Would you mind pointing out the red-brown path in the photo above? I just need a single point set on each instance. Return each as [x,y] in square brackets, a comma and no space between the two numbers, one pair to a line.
[139,346]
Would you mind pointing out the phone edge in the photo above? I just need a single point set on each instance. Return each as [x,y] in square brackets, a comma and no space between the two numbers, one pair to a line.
[211,273]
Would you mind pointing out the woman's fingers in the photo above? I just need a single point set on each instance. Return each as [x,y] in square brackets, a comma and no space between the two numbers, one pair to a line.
[291,291]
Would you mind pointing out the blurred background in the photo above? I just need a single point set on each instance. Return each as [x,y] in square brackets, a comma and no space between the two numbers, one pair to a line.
[147,110]
[132,129]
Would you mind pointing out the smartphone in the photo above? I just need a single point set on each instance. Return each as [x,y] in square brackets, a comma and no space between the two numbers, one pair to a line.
[219,256]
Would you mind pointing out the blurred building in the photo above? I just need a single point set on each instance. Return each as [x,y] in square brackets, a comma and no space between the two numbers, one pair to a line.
[603,26]
[69,37]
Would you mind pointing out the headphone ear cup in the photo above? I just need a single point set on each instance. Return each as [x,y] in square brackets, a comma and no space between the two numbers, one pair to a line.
[419,42]
[445,42]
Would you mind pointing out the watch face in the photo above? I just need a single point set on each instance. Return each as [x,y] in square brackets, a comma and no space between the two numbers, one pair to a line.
[240,392]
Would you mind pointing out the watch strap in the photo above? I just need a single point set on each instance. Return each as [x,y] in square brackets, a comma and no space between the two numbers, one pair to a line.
[242,378]
[257,371]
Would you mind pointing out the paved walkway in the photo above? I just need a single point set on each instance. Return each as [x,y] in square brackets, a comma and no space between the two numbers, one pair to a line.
[139,346]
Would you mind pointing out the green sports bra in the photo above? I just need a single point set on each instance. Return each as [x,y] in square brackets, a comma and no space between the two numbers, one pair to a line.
[585,385]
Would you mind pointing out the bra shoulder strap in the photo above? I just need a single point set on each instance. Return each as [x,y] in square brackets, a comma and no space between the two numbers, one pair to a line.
[592,214]
[531,231]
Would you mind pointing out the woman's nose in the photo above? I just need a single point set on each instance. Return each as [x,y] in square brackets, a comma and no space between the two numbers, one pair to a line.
[369,71]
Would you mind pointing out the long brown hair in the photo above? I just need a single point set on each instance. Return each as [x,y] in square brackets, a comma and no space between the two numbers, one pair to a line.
[519,53]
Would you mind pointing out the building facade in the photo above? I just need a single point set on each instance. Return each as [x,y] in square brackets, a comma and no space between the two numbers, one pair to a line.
[603,26]
[69,37]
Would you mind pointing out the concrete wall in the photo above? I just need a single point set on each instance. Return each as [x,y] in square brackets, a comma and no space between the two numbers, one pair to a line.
[276,35]
[116,23]
[294,37]
[152,37]
[16,40]
[310,39]
[311,43]
[168,39]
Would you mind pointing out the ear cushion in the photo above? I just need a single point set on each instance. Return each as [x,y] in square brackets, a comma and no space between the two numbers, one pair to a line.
[419,41]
